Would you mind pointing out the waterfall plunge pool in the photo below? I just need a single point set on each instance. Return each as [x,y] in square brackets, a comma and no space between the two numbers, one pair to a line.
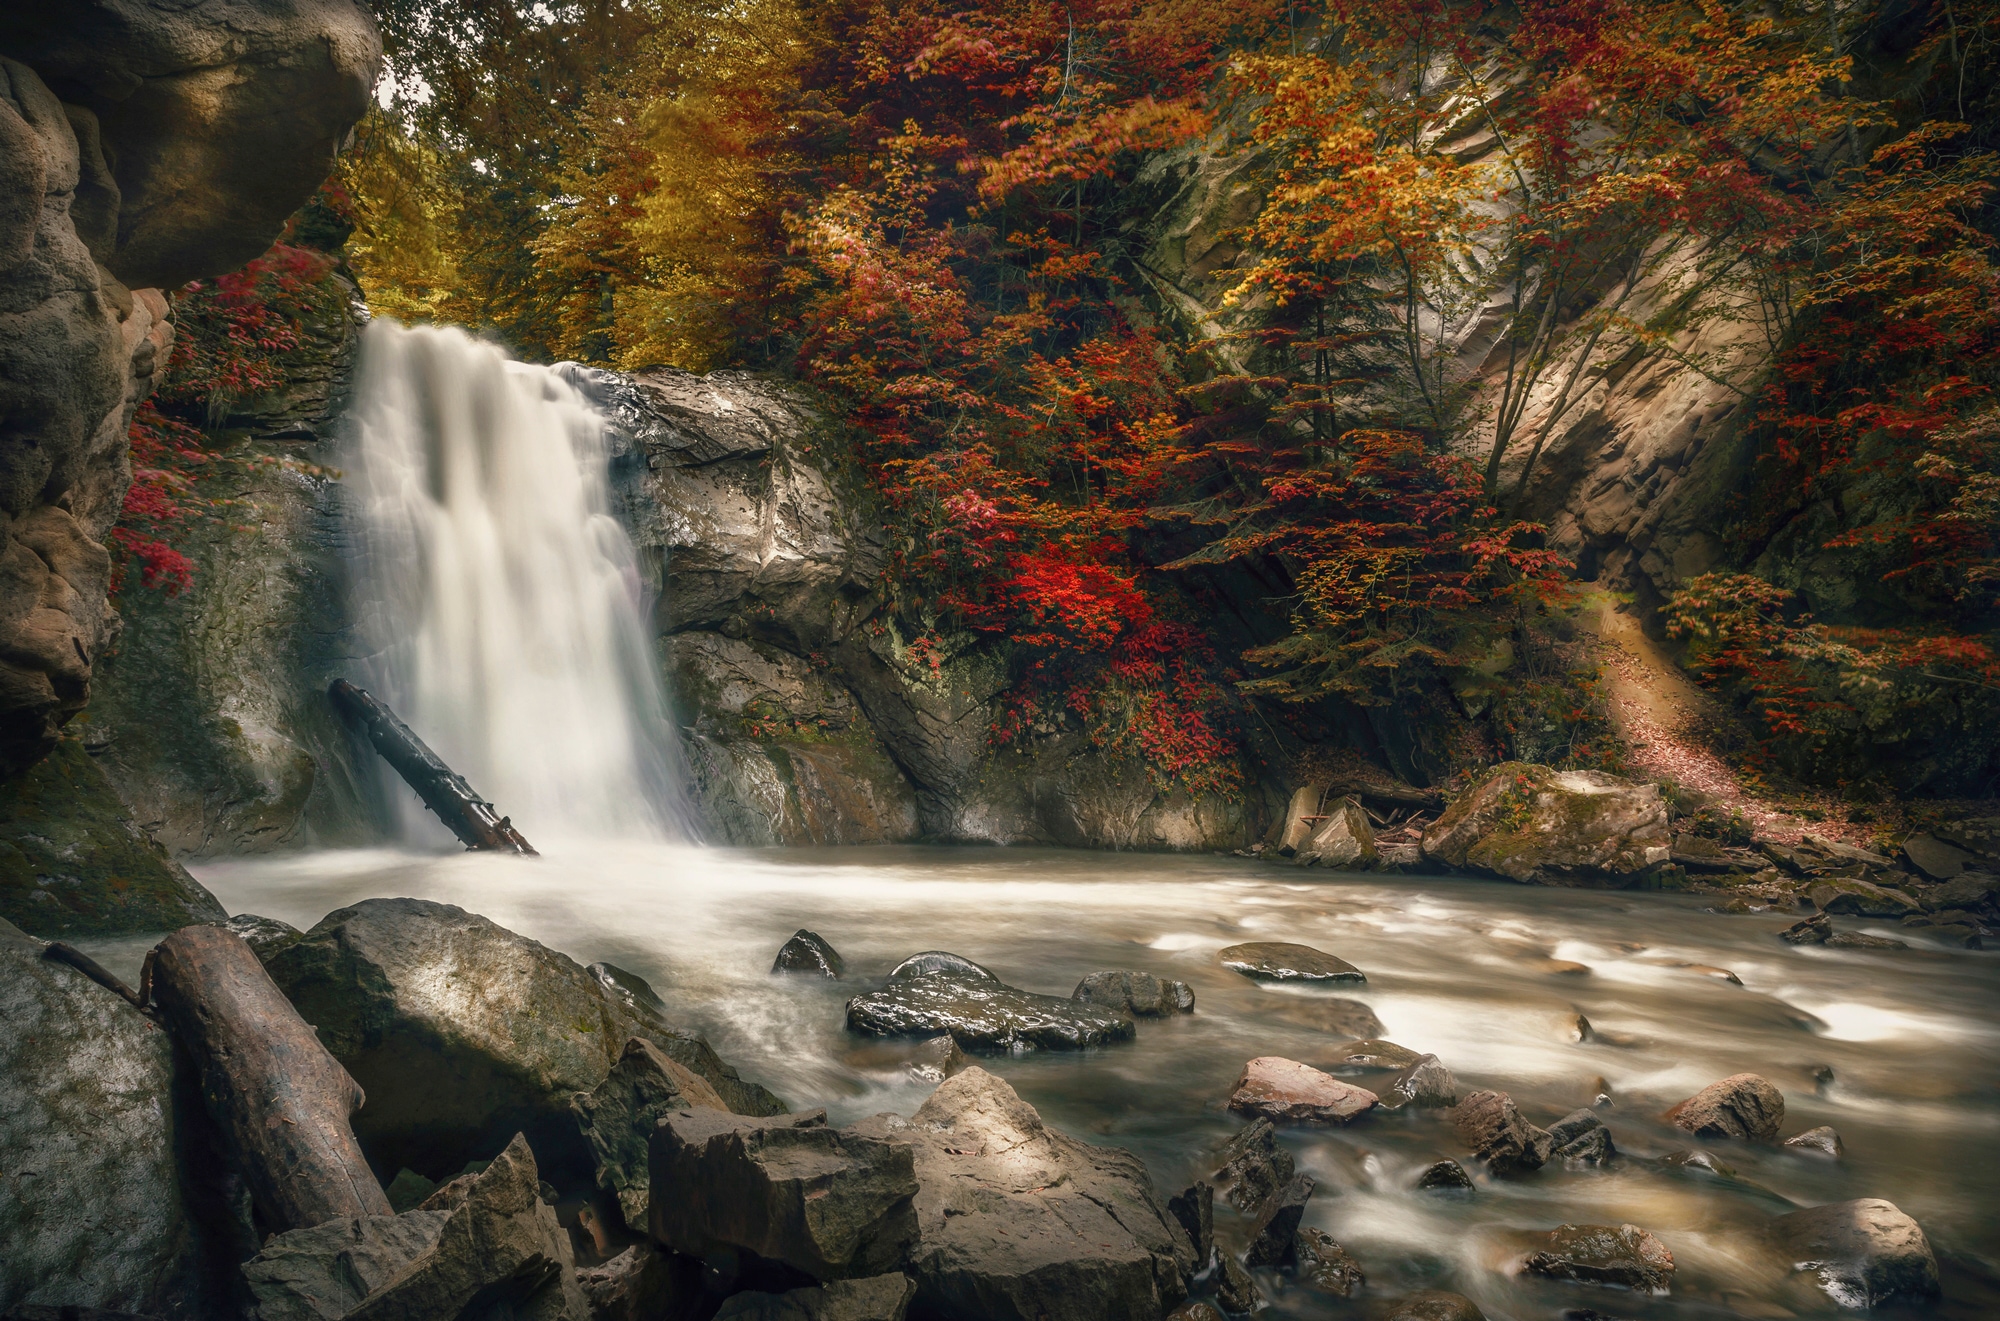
[1456,967]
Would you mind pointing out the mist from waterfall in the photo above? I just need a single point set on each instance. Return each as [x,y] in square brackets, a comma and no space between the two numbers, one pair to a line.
[498,596]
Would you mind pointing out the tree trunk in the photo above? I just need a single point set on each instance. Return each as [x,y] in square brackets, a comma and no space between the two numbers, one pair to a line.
[281,1101]
[443,790]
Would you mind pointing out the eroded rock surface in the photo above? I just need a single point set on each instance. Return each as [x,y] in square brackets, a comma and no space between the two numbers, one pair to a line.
[1533,824]
[1863,1253]
[1622,1255]
[982,1013]
[1491,1126]
[1742,1106]
[323,1272]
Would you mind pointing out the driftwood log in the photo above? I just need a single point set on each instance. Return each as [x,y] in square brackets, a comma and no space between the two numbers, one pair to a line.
[443,790]
[281,1101]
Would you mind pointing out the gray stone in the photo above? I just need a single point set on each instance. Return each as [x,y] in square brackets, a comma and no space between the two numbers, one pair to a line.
[1277,1222]
[834,1203]
[1320,1263]
[1435,1305]
[1846,852]
[1235,1291]
[1592,1148]
[1280,1089]
[1198,1310]
[617,1120]
[1814,930]
[1426,1084]
[1016,1221]
[878,1298]
[1533,824]
[1972,890]
[93,1210]
[1742,1106]
[1276,961]
[932,962]
[1935,858]
[1344,840]
[1821,1141]
[982,1013]
[1138,993]
[501,1246]
[1254,1167]
[1862,940]
[324,1272]
[405,991]
[1622,1255]
[1444,1176]
[807,952]
[1195,1210]
[1863,1253]
[1491,1126]
[264,935]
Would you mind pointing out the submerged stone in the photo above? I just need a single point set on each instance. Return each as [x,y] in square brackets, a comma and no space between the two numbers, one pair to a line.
[1277,961]
[1622,1255]
[807,952]
[1139,993]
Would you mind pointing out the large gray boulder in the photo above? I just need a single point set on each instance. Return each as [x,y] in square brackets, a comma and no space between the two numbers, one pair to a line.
[463,1033]
[1862,1254]
[1018,1222]
[1547,827]
[834,1203]
[94,1207]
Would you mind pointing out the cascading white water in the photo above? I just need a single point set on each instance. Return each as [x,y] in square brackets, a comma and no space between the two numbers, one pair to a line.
[500,598]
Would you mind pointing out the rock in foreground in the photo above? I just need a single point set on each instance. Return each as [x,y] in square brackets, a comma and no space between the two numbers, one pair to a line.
[979,1011]
[1623,1255]
[1743,1106]
[1280,1089]
[406,992]
[879,1298]
[1018,1222]
[617,1120]
[327,1270]
[807,952]
[1862,1253]
[1276,961]
[1548,827]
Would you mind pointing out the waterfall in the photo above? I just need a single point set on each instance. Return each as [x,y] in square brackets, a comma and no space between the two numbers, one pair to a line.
[498,596]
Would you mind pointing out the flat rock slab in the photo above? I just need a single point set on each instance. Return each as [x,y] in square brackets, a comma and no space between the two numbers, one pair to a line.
[983,1014]
[1275,961]
[1743,1106]
[1622,1255]
[1276,1088]
[1862,1254]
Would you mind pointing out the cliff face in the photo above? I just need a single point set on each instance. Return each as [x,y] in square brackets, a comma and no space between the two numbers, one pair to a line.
[141,146]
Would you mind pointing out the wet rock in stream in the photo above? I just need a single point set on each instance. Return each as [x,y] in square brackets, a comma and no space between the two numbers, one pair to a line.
[938,992]
[1371,1057]
[1280,1089]
[1195,1210]
[1254,1167]
[1425,1083]
[808,953]
[264,935]
[617,1119]
[1235,1291]
[1444,1176]
[1276,961]
[1622,1255]
[1138,993]
[1821,1141]
[1435,1305]
[1331,1014]
[1199,1310]
[1742,1106]
[1277,1222]
[1862,1253]
[1580,1139]
[1320,1263]
[1490,1124]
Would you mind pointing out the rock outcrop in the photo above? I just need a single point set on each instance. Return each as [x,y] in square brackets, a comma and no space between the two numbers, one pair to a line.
[182,138]
[405,992]
[1548,827]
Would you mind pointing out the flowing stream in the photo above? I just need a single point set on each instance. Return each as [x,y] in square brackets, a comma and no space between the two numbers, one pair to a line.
[1458,967]
[498,594]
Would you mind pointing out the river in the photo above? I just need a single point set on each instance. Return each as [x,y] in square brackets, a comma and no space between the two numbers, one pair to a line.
[1473,971]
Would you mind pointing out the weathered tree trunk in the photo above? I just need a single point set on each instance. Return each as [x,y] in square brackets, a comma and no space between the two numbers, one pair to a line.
[281,1101]
[443,790]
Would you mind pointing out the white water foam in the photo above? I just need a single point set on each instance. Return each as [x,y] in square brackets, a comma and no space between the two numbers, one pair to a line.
[499,596]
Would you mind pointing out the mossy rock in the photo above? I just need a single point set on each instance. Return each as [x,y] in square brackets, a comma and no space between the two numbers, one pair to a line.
[1543,826]
[73,864]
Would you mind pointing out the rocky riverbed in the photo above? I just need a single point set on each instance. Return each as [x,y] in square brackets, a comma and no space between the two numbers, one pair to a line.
[1530,1100]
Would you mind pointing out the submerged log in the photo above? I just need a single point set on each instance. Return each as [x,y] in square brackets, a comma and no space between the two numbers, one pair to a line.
[443,790]
[281,1100]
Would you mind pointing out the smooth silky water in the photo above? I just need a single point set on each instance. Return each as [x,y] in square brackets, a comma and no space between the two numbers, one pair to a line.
[1910,1036]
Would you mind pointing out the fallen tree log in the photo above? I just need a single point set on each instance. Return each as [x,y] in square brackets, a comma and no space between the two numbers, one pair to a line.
[281,1100]
[443,790]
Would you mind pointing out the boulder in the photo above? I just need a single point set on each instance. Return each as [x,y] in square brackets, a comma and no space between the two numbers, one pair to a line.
[1194,1208]
[834,1203]
[1935,858]
[405,992]
[1859,897]
[1426,1084]
[1277,1223]
[1018,1222]
[73,864]
[1980,835]
[1444,1176]
[1139,993]
[1821,1141]
[644,1283]
[1435,1305]
[500,1247]
[1814,930]
[1320,1263]
[1235,1290]
[1541,826]
[954,996]
[617,1120]
[1293,828]
[1491,1126]
[1581,1139]
[324,1272]
[1863,1253]
[1969,890]
[264,935]
[1280,1089]
[95,1209]
[1254,1167]
[1742,1106]
[877,1298]
[807,952]
[1372,1057]
[1344,840]
[1622,1255]
[1342,1018]
[1275,961]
